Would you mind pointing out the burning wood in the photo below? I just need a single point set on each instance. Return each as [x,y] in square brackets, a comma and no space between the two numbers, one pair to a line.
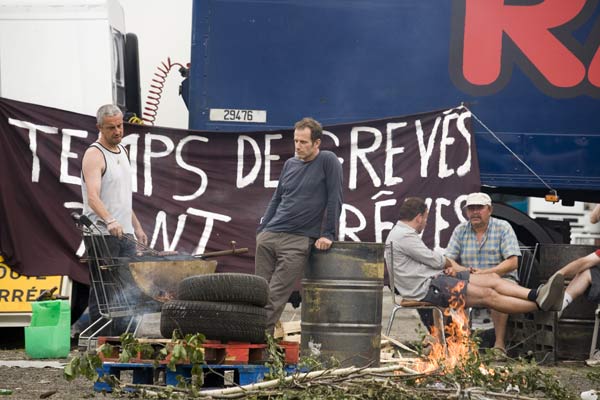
[459,345]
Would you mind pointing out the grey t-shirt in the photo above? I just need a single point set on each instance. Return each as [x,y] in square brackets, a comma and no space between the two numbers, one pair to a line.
[413,262]
[308,198]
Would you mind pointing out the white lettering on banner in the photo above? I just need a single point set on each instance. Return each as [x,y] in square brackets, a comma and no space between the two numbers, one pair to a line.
[132,140]
[425,152]
[336,142]
[382,193]
[149,155]
[436,210]
[458,204]
[210,220]
[462,128]
[203,178]
[356,222]
[33,128]
[268,158]
[356,154]
[440,223]
[243,181]
[161,225]
[380,225]
[66,153]
[444,171]
[390,179]
[345,230]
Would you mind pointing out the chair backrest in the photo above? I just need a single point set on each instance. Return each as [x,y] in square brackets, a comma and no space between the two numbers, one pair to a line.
[526,263]
[389,265]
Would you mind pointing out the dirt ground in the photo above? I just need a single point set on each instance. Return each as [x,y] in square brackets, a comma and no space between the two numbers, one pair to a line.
[32,383]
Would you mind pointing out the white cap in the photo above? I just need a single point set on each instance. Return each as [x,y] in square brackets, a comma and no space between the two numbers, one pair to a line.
[478,199]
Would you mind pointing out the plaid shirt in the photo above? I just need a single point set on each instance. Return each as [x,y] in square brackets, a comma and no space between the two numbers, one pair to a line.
[499,243]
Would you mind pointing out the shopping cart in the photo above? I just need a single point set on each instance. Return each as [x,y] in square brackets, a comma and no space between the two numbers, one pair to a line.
[116,294]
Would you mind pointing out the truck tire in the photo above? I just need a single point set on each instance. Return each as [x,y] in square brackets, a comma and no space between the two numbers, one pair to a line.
[217,321]
[225,288]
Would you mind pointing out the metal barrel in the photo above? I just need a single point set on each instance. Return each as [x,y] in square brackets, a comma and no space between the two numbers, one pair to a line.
[342,295]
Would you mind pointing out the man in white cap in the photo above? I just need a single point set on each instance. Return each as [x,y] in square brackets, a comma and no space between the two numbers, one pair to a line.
[486,245]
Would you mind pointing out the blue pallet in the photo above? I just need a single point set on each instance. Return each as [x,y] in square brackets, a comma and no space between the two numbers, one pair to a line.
[144,374]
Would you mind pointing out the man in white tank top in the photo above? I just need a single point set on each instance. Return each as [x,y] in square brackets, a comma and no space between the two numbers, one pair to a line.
[107,197]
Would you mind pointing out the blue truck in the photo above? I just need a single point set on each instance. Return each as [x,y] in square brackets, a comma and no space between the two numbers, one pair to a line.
[528,70]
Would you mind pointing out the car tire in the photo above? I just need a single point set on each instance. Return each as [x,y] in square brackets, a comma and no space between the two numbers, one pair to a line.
[217,321]
[225,288]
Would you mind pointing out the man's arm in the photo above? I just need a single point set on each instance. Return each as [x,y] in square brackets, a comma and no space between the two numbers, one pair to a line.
[138,230]
[506,266]
[273,204]
[335,180]
[452,267]
[415,248]
[92,167]
[271,209]
[580,264]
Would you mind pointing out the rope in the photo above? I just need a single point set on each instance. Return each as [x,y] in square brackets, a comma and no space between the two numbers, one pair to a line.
[510,151]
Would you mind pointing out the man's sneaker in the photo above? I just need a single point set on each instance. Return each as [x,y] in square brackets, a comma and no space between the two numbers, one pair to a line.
[550,295]
[594,360]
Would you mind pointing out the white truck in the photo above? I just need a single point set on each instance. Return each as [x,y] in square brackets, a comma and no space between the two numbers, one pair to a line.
[66,54]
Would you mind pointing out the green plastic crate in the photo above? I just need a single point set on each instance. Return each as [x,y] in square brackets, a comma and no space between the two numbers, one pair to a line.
[49,334]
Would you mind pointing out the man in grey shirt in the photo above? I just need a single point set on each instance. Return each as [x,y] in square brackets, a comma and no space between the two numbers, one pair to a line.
[423,275]
[304,210]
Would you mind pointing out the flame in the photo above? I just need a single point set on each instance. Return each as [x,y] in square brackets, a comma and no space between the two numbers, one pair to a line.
[458,342]
[164,296]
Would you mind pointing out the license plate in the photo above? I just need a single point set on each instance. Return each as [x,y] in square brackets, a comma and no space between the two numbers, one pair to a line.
[237,115]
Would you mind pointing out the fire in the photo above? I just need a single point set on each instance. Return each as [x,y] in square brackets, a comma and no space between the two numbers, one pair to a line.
[458,343]
[164,296]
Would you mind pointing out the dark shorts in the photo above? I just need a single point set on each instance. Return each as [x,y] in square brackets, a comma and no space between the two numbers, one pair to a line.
[445,290]
[593,291]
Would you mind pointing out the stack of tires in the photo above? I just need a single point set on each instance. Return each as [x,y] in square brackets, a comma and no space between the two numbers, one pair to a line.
[224,306]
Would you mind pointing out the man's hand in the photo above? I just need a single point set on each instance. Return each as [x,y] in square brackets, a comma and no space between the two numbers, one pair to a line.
[452,267]
[323,243]
[141,237]
[115,229]
[450,271]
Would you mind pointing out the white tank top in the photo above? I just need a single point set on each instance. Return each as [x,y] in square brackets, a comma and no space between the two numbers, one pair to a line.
[115,189]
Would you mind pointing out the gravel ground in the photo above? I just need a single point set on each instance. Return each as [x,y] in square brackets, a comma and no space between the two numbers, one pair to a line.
[32,383]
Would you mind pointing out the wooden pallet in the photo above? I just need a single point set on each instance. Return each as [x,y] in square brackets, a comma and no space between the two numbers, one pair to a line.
[215,352]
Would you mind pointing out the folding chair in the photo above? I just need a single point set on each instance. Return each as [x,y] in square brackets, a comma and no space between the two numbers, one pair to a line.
[438,314]
[595,334]
[528,255]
